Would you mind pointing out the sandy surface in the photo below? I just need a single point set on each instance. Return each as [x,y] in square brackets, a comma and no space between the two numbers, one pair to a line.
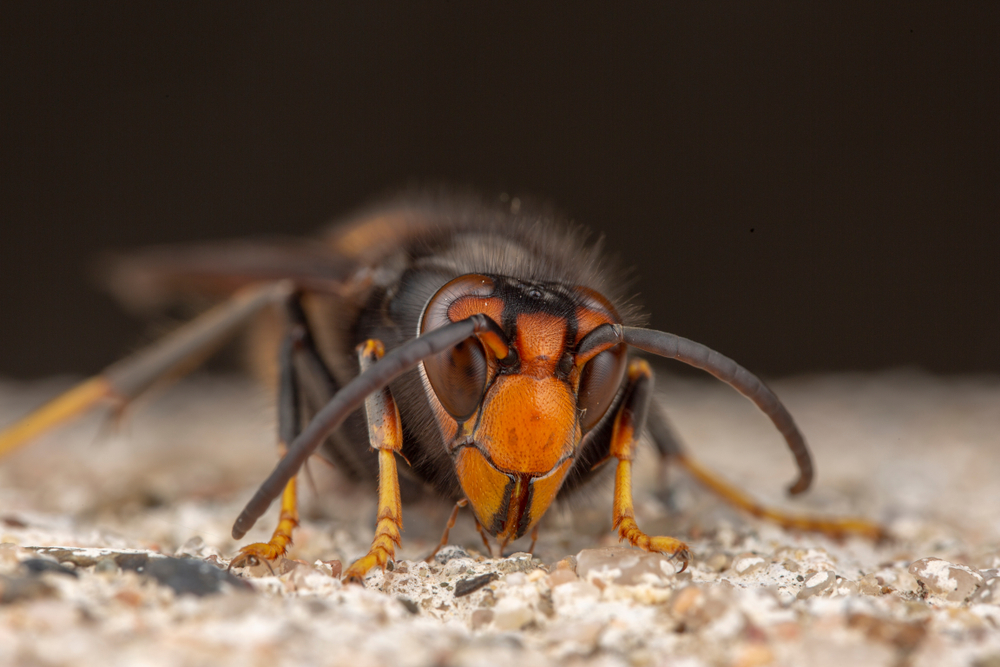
[87,515]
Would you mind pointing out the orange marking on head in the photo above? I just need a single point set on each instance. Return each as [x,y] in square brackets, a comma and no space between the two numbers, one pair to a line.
[588,320]
[467,306]
[528,425]
[544,490]
[483,484]
[540,342]
[596,311]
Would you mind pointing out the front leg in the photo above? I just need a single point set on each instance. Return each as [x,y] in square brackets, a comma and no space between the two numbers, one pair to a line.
[629,421]
[385,434]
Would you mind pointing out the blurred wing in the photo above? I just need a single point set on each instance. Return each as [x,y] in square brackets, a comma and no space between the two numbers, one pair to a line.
[157,276]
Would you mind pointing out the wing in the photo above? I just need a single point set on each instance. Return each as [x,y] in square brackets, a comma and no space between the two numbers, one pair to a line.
[151,278]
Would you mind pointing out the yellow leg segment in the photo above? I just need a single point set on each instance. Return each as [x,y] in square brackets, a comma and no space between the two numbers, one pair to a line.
[623,449]
[836,527]
[73,403]
[390,520]
[282,536]
[385,433]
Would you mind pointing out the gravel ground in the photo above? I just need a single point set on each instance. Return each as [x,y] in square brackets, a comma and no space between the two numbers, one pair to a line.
[112,531]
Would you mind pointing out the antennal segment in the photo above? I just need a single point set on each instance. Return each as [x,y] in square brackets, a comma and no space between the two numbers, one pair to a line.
[697,355]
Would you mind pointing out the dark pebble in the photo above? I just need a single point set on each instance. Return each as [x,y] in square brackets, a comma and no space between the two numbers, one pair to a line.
[184,575]
[410,605]
[450,552]
[39,565]
[468,586]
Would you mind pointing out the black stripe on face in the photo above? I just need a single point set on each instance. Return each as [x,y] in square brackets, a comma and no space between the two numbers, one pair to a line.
[525,507]
[500,518]
[521,298]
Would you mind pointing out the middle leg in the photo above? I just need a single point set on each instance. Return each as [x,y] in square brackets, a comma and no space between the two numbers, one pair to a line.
[629,421]
[296,344]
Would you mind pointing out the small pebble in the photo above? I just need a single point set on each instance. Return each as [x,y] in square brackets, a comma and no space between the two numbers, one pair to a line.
[184,575]
[332,567]
[512,614]
[409,605]
[469,586]
[747,564]
[78,557]
[481,617]
[560,577]
[847,587]
[516,579]
[39,565]
[869,585]
[575,593]
[518,562]
[536,575]
[450,552]
[906,583]
[193,547]
[634,566]
[568,563]
[816,583]
[689,598]
[953,582]
[989,592]
[719,561]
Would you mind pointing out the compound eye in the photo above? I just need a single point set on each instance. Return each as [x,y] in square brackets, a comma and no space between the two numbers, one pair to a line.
[599,383]
[458,377]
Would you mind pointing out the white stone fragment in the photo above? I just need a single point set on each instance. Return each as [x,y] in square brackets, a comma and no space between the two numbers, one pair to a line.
[512,614]
[953,582]
[747,565]
[816,584]
[623,565]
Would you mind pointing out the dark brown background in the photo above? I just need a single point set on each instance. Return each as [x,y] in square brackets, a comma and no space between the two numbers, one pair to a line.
[805,186]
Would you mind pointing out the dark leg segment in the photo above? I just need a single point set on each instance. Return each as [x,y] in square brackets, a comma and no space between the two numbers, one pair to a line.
[170,357]
[295,343]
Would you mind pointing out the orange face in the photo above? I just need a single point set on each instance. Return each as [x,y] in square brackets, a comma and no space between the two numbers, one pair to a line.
[513,412]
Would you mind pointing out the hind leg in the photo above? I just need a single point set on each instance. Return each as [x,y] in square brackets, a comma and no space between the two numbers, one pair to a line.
[168,358]
[671,451]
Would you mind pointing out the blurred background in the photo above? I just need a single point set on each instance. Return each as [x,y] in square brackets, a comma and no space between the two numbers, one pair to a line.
[806,187]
